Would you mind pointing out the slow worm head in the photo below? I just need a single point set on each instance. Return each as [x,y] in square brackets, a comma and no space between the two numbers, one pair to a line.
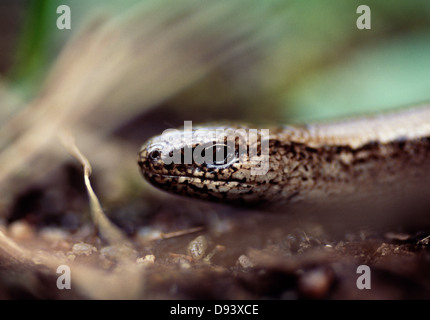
[313,161]
[170,162]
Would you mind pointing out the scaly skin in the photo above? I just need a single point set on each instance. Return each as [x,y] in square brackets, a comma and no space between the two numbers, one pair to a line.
[314,161]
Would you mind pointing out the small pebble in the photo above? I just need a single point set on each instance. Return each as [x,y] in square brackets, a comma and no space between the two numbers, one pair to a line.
[197,248]
[245,262]
[149,259]
[315,283]
[21,230]
[82,248]
[149,234]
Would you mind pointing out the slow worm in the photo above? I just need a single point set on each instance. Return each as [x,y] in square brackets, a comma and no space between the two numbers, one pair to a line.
[348,158]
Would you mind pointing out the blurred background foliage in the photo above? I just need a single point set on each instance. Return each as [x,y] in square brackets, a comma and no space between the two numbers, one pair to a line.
[307,61]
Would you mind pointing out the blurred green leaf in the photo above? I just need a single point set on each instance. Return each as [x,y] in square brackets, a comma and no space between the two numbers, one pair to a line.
[393,73]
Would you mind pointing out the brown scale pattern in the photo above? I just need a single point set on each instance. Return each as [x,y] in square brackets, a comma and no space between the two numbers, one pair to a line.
[305,166]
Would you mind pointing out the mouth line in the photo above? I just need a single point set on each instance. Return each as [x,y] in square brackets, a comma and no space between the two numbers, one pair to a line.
[202,179]
[177,177]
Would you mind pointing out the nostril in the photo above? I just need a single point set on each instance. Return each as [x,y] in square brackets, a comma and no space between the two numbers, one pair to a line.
[155,155]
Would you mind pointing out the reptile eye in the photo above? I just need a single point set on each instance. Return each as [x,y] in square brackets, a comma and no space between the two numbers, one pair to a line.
[154,155]
[221,155]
